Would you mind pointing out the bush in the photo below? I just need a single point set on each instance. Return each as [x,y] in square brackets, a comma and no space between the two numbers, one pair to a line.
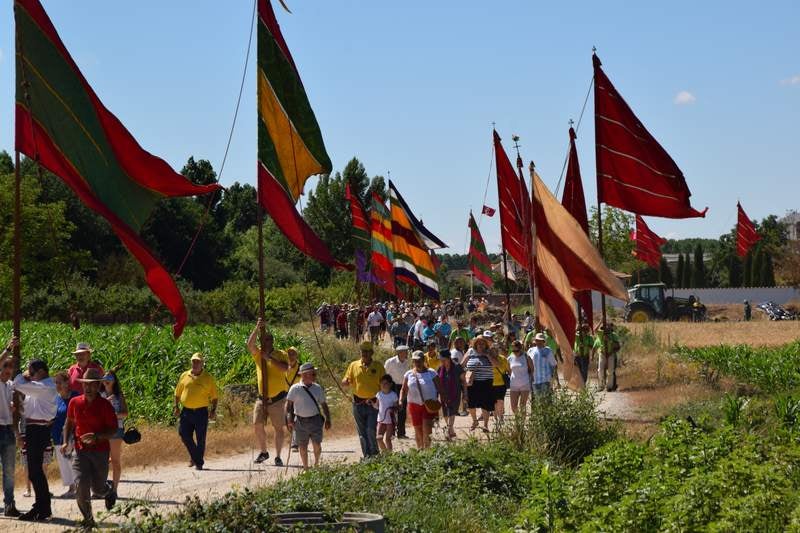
[564,427]
[458,488]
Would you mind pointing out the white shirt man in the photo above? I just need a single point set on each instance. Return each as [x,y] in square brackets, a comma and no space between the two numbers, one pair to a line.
[374,319]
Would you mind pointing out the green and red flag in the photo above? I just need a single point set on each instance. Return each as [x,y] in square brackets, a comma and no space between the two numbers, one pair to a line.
[361,237]
[479,262]
[290,146]
[63,125]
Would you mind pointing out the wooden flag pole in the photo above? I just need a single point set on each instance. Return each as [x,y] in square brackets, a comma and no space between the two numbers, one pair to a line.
[263,332]
[16,283]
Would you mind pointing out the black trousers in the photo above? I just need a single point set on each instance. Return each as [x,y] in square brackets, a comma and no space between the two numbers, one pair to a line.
[400,430]
[37,438]
[192,429]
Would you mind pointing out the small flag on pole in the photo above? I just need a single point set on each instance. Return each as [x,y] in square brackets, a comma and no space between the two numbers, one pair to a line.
[488,211]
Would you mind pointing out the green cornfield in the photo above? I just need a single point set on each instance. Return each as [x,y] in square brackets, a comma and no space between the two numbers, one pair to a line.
[771,369]
[151,359]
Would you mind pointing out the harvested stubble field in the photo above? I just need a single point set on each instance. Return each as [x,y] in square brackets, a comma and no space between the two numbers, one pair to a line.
[754,333]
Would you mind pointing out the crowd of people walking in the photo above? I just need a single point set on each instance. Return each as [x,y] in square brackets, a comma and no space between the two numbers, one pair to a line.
[442,368]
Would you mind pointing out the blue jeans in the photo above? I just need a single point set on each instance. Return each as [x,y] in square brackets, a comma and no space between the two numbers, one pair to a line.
[366,418]
[194,423]
[8,451]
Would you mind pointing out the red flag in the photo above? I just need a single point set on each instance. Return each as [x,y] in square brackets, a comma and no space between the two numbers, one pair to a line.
[746,234]
[634,172]
[566,261]
[648,244]
[512,208]
[62,125]
[488,211]
[479,262]
[574,201]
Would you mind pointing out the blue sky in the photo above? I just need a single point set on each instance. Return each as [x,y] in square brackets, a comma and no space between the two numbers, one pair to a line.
[412,88]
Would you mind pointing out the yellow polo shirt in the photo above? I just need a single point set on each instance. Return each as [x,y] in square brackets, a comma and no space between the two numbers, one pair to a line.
[276,378]
[195,392]
[503,368]
[292,375]
[433,362]
[365,380]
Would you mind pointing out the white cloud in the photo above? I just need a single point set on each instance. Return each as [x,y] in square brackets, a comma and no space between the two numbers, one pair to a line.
[684,98]
[673,235]
[793,80]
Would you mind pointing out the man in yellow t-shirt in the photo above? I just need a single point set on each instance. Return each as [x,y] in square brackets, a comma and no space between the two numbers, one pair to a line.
[271,394]
[364,376]
[196,391]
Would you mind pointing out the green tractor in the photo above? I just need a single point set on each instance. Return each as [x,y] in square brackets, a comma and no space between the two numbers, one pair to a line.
[648,301]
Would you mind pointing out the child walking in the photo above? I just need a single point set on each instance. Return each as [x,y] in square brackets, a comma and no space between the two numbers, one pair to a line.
[387,413]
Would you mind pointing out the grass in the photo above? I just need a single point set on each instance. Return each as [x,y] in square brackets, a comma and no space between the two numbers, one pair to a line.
[755,333]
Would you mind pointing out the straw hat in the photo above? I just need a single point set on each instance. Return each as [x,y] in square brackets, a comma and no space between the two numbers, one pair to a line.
[83,347]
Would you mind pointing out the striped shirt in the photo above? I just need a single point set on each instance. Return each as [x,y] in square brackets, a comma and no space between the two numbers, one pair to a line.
[544,364]
[481,367]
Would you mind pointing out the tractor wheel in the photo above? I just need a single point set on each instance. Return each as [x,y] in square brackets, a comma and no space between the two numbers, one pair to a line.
[639,316]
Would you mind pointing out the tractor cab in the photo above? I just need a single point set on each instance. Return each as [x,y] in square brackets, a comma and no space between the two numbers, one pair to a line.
[646,302]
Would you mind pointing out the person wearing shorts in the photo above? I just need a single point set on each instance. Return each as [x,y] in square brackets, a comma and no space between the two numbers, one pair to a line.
[421,384]
[307,413]
[388,401]
[271,400]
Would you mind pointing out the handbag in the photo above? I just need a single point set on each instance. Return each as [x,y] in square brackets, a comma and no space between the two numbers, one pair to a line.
[131,434]
[432,406]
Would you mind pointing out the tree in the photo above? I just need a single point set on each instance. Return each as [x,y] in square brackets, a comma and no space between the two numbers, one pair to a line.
[767,273]
[202,173]
[617,244]
[328,213]
[699,270]
[237,211]
[748,270]
[755,272]
[664,273]
[734,271]
[679,274]
[687,272]
[789,265]
[6,163]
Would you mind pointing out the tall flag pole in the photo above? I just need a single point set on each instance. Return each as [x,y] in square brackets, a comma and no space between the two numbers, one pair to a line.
[413,263]
[574,201]
[746,234]
[634,172]
[479,263]
[63,126]
[527,235]
[566,262]
[648,244]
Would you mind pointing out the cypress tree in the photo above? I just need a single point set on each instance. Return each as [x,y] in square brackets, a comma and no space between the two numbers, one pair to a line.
[687,272]
[734,271]
[699,274]
[664,273]
[679,274]
[755,272]
[748,269]
[767,274]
